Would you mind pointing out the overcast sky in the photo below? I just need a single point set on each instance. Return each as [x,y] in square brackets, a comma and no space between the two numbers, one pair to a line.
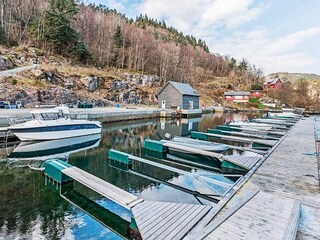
[275,35]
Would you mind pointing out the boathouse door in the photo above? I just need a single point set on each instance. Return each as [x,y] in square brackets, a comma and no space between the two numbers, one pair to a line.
[163,104]
[190,104]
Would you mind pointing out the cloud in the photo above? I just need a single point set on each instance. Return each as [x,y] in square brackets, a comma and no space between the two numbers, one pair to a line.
[229,12]
[273,54]
[239,28]
[189,14]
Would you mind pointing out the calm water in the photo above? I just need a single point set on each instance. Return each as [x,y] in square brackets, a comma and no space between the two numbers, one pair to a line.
[31,207]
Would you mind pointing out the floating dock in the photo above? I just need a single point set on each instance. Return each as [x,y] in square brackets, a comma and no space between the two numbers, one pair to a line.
[154,220]
[251,130]
[278,199]
[242,134]
[254,142]
[62,172]
[206,190]
[241,163]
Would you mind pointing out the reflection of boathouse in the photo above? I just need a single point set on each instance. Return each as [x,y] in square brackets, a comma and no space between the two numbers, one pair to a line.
[181,127]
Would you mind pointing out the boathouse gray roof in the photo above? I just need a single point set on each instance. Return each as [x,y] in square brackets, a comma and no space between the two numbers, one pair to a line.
[237,93]
[183,88]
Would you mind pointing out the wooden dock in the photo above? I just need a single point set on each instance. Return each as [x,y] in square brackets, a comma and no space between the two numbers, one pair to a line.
[246,162]
[251,130]
[242,162]
[155,220]
[269,143]
[164,220]
[242,134]
[256,216]
[182,172]
[102,187]
[278,200]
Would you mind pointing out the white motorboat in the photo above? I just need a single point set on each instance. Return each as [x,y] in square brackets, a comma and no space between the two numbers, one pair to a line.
[55,123]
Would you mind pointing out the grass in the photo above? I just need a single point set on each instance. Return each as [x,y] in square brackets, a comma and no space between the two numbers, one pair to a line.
[255,102]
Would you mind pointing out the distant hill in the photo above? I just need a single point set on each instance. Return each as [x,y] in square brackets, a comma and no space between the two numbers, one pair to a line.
[293,77]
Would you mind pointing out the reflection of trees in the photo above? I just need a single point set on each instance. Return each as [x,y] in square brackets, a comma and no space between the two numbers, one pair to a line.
[26,202]
[129,138]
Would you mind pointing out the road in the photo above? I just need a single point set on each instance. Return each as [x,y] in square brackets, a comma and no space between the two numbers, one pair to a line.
[12,72]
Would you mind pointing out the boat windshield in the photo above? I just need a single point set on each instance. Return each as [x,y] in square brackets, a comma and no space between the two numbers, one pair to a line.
[49,115]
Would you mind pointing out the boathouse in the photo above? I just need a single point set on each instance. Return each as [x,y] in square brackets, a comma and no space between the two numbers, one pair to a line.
[272,83]
[178,96]
[237,96]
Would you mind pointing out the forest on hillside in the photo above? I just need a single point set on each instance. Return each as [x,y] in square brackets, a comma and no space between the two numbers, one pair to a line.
[102,37]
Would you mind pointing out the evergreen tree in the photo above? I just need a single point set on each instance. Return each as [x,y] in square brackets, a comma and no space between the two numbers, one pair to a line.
[116,46]
[243,65]
[81,52]
[2,37]
[58,29]
[232,63]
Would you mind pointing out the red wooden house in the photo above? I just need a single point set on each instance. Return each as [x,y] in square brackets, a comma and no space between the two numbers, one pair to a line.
[256,93]
[273,83]
[237,96]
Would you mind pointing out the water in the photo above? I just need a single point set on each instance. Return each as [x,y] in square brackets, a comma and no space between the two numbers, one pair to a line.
[31,209]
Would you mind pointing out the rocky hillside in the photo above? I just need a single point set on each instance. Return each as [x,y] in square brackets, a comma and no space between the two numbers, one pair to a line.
[293,77]
[56,80]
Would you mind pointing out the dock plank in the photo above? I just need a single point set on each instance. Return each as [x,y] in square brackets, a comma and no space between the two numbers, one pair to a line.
[252,222]
[246,162]
[102,187]
[243,139]
[168,220]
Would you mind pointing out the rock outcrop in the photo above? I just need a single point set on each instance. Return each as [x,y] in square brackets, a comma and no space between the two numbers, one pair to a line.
[5,63]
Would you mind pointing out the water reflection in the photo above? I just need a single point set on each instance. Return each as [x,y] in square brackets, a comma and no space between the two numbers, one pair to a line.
[29,209]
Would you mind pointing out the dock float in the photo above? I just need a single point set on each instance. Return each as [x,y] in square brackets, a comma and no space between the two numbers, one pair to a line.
[251,130]
[164,220]
[255,142]
[117,155]
[62,172]
[153,220]
[241,163]
[258,215]
[241,134]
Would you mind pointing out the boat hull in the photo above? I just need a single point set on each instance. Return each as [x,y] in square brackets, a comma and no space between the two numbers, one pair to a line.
[52,135]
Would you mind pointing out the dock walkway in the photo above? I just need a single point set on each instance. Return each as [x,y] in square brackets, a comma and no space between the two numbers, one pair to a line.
[155,220]
[285,180]
[102,187]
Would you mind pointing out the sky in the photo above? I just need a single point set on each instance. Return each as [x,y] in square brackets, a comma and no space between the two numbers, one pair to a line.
[274,35]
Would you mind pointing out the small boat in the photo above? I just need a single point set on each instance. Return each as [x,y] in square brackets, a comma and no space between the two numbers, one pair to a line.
[199,144]
[55,123]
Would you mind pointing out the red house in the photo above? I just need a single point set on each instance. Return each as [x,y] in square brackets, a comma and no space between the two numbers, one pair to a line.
[237,96]
[272,83]
[256,93]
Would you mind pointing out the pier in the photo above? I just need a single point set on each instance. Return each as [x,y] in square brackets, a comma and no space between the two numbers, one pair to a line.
[206,136]
[278,197]
[106,114]
[278,200]
[155,220]
[242,163]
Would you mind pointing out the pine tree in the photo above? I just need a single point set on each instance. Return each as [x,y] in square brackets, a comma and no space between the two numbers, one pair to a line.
[81,52]
[58,31]
[116,46]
